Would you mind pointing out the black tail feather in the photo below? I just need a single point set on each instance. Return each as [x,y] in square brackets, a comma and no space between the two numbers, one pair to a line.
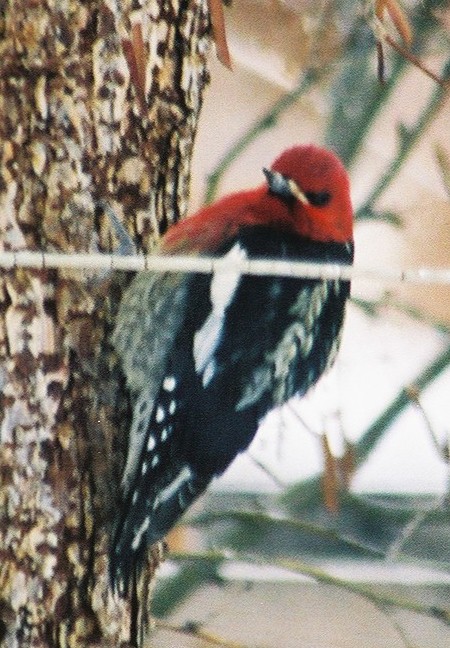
[146,518]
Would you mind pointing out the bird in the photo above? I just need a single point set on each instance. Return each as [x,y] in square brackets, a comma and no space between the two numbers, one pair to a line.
[207,356]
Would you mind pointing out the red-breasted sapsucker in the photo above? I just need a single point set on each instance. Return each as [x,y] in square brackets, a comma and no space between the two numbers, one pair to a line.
[207,356]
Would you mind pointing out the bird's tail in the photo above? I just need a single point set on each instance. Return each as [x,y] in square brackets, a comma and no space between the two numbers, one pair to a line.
[146,517]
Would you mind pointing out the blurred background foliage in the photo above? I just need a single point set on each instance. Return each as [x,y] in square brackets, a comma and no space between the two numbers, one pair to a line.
[337,54]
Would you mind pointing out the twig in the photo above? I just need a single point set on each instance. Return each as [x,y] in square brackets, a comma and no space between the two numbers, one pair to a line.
[299,526]
[320,576]
[387,300]
[414,396]
[444,166]
[374,432]
[194,629]
[443,82]
[420,517]
[380,61]
[219,32]
[396,625]
[314,433]
[399,18]
[410,528]
[266,470]
[135,55]
[408,139]
[415,313]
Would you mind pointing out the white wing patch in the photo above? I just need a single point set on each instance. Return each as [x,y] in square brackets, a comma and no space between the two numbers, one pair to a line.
[224,284]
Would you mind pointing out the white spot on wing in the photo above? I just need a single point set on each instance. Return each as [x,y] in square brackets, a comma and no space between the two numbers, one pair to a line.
[139,533]
[151,443]
[169,383]
[223,287]
[183,476]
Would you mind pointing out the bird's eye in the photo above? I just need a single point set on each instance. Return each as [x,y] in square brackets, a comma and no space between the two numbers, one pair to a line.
[319,198]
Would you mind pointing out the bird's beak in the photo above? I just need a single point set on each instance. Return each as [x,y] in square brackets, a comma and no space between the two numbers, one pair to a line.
[284,187]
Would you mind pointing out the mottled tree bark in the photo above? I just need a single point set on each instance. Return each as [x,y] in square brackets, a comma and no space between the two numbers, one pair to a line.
[98,100]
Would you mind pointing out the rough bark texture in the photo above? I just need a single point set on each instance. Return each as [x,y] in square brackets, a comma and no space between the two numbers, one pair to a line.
[98,100]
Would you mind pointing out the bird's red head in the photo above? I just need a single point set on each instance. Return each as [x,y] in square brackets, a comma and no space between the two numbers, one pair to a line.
[319,207]
[307,192]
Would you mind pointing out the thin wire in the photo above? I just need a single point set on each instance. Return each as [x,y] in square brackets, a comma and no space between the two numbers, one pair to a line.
[205,265]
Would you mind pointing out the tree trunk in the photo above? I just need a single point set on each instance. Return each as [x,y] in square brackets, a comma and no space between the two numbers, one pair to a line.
[99,100]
